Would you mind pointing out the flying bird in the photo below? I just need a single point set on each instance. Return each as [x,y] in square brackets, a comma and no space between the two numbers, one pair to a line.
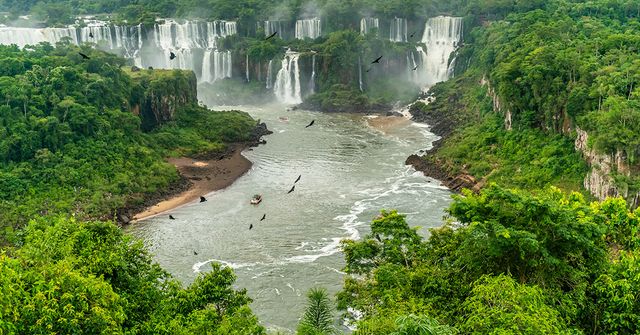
[415,68]
[297,180]
[291,190]
[91,34]
[203,199]
[413,33]
[310,124]
[251,226]
[195,253]
[377,60]
[264,217]
[271,36]
[171,217]
[84,56]
[172,56]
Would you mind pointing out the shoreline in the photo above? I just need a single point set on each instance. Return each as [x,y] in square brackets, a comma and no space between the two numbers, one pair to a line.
[204,176]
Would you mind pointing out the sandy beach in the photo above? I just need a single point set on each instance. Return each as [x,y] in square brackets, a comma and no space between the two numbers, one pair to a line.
[206,176]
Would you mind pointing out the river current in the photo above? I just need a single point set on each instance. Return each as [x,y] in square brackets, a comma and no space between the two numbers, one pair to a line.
[350,170]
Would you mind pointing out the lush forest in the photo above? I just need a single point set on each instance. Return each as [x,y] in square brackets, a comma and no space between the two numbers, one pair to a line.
[531,252]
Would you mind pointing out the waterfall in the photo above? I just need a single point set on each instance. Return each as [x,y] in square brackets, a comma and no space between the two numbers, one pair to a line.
[367,24]
[411,64]
[312,83]
[246,64]
[270,74]
[271,27]
[441,36]
[360,73]
[287,85]
[398,30]
[182,38]
[215,65]
[308,28]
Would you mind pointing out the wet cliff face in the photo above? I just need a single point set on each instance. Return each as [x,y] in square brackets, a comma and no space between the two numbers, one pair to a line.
[599,181]
[163,92]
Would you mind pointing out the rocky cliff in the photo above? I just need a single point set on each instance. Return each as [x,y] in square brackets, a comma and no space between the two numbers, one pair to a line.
[600,180]
[162,93]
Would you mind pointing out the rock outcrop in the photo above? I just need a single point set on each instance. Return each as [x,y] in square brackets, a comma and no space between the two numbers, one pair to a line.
[599,181]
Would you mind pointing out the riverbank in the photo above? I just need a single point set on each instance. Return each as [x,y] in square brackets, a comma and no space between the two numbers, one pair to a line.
[204,176]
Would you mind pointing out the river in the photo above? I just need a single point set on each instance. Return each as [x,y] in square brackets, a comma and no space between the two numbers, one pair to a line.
[350,170]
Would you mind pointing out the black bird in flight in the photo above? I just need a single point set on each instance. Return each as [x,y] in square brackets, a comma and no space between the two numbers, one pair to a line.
[264,217]
[195,253]
[271,36]
[291,190]
[377,61]
[251,226]
[172,56]
[310,124]
[203,199]
[415,68]
[91,34]
[413,33]
[171,217]
[297,180]
[84,56]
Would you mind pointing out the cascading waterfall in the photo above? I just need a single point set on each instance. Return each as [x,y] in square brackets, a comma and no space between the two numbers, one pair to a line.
[282,27]
[216,65]
[287,85]
[181,38]
[411,64]
[312,82]
[270,74]
[367,24]
[398,30]
[441,36]
[246,70]
[360,73]
[308,28]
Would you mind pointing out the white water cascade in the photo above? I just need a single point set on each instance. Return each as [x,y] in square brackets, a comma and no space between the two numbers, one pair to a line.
[287,85]
[281,27]
[441,36]
[312,82]
[398,30]
[308,28]
[360,74]
[270,74]
[367,24]
[215,65]
[182,38]
[246,69]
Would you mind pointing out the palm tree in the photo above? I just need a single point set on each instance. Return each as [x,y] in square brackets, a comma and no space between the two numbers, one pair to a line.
[318,316]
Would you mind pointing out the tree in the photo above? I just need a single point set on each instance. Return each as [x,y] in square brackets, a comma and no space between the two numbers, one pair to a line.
[318,316]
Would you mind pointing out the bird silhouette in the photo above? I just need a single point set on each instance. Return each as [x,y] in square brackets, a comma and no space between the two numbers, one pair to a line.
[297,180]
[377,61]
[311,124]
[413,33]
[415,68]
[171,217]
[84,56]
[251,226]
[91,34]
[195,253]
[271,36]
[292,189]
[203,199]
[172,56]
[264,217]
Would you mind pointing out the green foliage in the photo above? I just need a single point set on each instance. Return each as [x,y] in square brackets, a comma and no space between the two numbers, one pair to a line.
[90,278]
[71,144]
[318,316]
[421,325]
[499,305]
[533,259]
